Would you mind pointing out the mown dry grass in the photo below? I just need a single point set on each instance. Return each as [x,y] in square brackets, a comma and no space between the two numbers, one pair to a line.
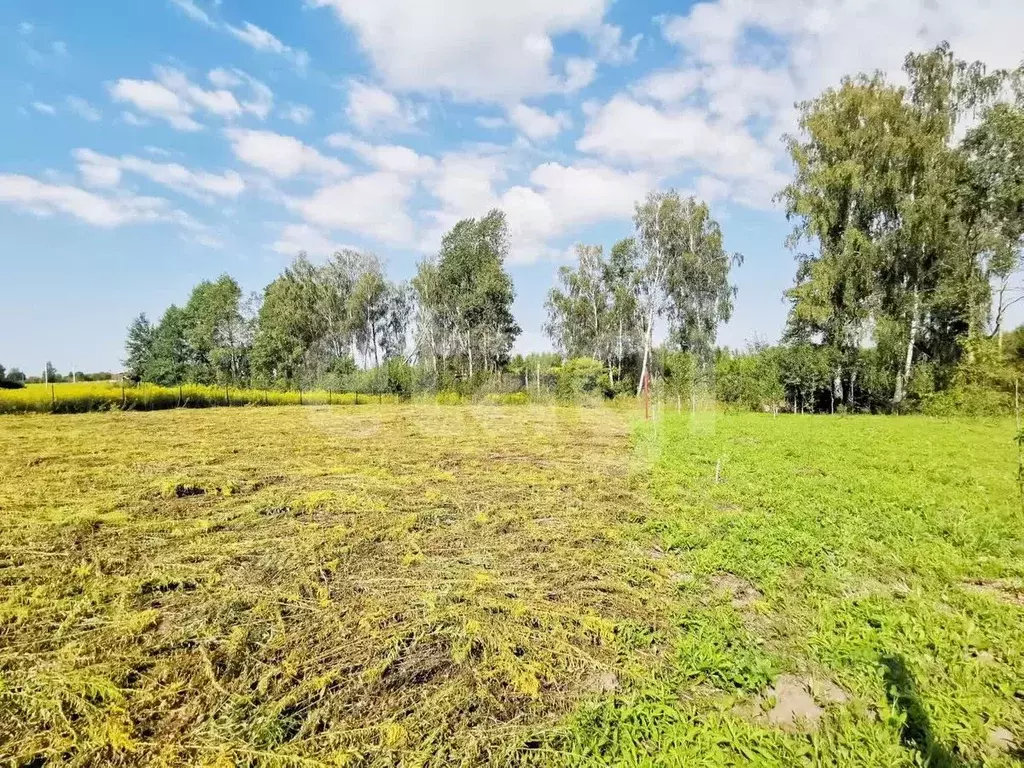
[437,585]
[284,585]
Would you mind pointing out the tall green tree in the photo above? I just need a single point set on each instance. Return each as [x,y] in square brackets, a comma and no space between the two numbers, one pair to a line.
[368,306]
[621,279]
[468,294]
[432,317]
[138,348]
[579,307]
[168,363]
[213,323]
[294,319]
[700,294]
[682,271]
[839,207]
[898,213]
[992,201]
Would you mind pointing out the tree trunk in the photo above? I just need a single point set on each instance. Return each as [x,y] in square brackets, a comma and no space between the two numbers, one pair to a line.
[903,377]
[648,331]
[620,348]
[837,387]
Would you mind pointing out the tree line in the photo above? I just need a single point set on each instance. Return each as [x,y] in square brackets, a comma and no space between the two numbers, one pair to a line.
[908,211]
[907,204]
[343,324]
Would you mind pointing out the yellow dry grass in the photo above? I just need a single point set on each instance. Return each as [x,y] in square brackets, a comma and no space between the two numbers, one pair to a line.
[415,583]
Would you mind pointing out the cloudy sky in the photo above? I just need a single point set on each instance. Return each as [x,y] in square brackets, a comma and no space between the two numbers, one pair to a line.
[150,144]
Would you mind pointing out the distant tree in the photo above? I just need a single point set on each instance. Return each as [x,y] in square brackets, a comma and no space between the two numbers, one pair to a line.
[3,373]
[395,331]
[169,361]
[993,201]
[467,295]
[212,318]
[682,272]
[368,306]
[293,323]
[434,320]
[138,348]
[621,276]
[700,294]
[50,374]
[16,375]
[579,308]
[311,318]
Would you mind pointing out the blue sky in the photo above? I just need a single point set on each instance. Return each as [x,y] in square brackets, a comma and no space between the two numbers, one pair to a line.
[161,142]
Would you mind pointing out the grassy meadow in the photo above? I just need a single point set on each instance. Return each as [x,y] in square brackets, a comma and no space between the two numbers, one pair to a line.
[408,584]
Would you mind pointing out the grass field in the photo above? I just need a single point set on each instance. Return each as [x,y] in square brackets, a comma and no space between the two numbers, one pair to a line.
[86,396]
[423,585]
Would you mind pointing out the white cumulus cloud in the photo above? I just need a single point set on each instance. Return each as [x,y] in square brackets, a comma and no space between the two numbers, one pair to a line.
[536,124]
[106,171]
[173,97]
[282,156]
[371,107]
[373,205]
[470,49]
[385,157]
[299,114]
[43,199]
[302,238]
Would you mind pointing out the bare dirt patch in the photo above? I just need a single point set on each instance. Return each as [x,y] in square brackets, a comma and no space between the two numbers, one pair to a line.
[1003,590]
[794,703]
[742,593]
[1002,739]
[601,682]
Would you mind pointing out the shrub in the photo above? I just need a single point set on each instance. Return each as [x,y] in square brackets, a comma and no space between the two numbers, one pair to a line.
[508,398]
[968,400]
[577,377]
[448,397]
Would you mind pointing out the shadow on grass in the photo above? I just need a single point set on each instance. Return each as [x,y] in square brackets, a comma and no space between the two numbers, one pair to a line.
[916,734]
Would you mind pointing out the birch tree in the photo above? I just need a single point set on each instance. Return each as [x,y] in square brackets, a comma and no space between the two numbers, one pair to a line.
[466,294]
[579,307]
[682,272]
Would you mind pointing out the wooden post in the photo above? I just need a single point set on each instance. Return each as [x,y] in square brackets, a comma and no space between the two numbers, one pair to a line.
[329,398]
[179,395]
[227,395]
[53,399]
[124,399]
[300,395]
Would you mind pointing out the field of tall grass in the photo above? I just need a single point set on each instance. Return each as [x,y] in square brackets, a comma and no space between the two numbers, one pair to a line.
[411,584]
[104,396]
